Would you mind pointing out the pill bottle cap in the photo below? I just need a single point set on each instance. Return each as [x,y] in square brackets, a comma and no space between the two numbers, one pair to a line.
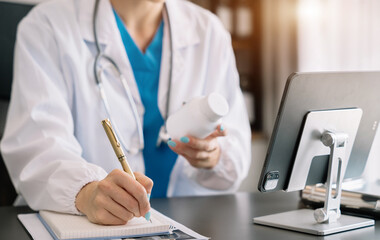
[214,106]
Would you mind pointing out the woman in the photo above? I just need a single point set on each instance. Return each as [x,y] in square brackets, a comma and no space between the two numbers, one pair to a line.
[55,149]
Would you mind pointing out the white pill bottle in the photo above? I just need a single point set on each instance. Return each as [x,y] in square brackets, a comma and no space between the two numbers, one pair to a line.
[198,118]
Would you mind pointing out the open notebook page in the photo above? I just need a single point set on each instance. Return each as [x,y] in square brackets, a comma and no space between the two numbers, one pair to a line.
[66,226]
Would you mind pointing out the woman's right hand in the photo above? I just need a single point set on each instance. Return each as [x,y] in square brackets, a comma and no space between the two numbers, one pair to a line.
[116,199]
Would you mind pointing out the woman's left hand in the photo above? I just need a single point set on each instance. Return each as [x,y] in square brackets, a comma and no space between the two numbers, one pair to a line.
[201,153]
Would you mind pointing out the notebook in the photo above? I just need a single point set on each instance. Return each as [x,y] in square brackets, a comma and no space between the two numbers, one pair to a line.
[66,226]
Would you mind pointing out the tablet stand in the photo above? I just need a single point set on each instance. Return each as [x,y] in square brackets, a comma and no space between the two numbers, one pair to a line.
[317,140]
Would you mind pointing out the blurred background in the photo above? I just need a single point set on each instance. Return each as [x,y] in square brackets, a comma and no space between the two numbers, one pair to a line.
[271,39]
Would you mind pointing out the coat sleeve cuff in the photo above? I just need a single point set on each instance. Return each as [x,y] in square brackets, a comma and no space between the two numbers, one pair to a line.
[221,177]
[92,174]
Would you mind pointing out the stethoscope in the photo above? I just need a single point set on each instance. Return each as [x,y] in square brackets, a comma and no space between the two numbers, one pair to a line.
[163,135]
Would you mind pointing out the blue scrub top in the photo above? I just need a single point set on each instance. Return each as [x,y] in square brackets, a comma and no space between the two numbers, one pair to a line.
[159,161]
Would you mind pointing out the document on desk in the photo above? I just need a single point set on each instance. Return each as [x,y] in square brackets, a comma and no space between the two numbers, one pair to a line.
[37,230]
[358,202]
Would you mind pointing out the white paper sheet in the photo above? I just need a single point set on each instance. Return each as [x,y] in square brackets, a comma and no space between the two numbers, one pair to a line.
[34,226]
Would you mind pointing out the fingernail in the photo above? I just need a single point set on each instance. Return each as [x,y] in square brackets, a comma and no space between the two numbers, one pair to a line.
[172,143]
[185,139]
[147,216]
[221,128]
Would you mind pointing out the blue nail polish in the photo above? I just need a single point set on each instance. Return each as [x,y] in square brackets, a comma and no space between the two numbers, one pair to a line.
[147,216]
[221,128]
[185,139]
[172,143]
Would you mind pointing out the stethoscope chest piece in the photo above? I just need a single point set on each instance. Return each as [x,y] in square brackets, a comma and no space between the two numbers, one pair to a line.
[163,136]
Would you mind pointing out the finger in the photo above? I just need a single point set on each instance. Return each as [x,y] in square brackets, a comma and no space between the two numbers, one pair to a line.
[145,181]
[199,163]
[184,149]
[111,187]
[118,210]
[220,131]
[148,185]
[206,144]
[128,202]
[188,152]
[104,217]
[173,145]
[209,162]
[214,134]
[134,188]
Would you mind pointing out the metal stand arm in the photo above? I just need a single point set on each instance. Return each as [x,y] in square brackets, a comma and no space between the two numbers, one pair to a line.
[331,210]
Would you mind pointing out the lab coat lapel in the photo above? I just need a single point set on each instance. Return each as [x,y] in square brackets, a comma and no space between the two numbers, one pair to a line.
[85,15]
[110,39]
[183,35]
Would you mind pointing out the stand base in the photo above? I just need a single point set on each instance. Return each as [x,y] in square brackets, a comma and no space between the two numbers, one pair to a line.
[303,221]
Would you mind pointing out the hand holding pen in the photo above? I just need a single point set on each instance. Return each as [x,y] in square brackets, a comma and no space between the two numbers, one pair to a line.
[117,198]
[121,155]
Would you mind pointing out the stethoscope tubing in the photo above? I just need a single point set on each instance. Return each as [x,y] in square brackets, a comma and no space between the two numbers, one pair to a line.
[100,55]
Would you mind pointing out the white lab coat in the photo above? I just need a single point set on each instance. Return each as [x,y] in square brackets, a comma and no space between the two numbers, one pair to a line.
[54,142]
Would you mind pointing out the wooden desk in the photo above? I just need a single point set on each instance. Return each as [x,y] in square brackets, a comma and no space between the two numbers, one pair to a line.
[227,217]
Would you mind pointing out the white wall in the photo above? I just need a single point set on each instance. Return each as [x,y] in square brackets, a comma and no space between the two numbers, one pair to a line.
[341,35]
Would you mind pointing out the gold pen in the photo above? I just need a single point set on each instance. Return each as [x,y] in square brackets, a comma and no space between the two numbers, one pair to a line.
[117,147]
[120,153]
